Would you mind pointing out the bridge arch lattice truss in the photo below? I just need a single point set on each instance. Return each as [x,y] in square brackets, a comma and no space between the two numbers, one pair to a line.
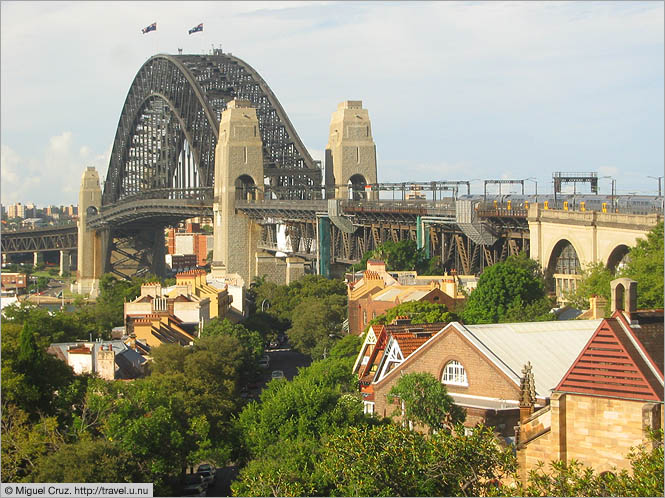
[169,126]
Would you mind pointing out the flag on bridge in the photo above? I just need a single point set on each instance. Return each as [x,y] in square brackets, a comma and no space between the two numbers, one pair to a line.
[148,29]
[196,29]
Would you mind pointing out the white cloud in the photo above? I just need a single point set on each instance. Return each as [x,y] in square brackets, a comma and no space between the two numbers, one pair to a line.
[454,89]
[52,177]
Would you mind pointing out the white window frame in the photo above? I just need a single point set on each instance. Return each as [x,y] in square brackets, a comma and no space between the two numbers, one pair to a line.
[368,407]
[454,374]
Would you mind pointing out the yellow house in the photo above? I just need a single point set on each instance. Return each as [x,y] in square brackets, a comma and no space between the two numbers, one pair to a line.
[195,281]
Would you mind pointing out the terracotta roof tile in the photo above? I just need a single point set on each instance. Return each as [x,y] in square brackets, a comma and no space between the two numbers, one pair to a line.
[408,343]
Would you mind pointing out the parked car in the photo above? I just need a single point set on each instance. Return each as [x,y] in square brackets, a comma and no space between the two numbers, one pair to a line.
[208,476]
[277,374]
[274,344]
[264,362]
[206,467]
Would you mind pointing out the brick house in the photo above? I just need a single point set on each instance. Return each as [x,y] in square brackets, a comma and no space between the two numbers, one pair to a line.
[14,283]
[480,365]
[609,397]
[400,338]
[379,290]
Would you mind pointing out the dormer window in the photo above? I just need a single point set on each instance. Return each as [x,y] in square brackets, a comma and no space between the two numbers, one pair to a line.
[454,374]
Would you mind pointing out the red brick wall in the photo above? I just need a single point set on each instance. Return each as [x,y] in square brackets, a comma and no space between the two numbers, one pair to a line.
[170,241]
[483,377]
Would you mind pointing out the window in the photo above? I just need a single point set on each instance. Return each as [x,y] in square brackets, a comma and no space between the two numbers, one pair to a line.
[454,374]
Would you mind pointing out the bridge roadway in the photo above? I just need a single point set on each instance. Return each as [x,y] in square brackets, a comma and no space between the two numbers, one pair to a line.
[187,203]
[51,238]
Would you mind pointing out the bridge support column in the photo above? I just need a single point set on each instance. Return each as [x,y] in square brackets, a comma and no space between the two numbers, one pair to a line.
[238,174]
[323,247]
[90,253]
[65,262]
[37,258]
[350,153]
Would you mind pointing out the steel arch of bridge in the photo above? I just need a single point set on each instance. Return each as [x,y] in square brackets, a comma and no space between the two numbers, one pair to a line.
[169,126]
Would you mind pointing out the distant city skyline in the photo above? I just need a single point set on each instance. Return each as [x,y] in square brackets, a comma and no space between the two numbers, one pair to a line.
[455,90]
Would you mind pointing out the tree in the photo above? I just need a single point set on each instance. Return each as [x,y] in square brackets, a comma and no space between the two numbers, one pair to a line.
[317,401]
[418,312]
[513,290]
[400,256]
[385,460]
[390,460]
[645,265]
[25,442]
[286,469]
[424,400]
[595,281]
[90,460]
[315,320]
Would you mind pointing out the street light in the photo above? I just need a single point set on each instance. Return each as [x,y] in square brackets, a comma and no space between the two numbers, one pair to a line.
[659,178]
[531,179]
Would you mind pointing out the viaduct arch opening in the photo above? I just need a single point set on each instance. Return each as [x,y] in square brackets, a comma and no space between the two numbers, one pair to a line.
[563,269]
[618,258]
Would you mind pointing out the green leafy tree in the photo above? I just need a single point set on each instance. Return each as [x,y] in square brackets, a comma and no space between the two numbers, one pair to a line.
[418,312]
[24,442]
[595,281]
[423,400]
[317,401]
[286,469]
[513,290]
[470,464]
[316,322]
[385,460]
[400,256]
[390,460]
[251,342]
[645,265]
[90,460]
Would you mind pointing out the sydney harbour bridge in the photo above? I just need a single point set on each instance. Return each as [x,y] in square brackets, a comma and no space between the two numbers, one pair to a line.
[162,171]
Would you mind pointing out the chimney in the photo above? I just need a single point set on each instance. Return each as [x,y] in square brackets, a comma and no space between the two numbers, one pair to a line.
[624,295]
[597,306]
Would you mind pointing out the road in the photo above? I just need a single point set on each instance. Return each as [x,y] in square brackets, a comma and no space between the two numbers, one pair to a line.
[287,361]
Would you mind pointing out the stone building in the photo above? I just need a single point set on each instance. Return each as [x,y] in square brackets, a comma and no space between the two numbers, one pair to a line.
[609,398]
[110,360]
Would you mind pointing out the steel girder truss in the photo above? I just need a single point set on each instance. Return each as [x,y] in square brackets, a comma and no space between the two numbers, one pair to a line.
[39,240]
[455,250]
[136,252]
[169,126]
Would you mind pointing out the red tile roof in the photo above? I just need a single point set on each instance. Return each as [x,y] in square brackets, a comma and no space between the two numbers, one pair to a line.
[408,343]
[610,365]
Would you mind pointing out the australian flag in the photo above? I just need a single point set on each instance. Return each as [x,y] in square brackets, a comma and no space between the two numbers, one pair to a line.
[196,29]
[148,29]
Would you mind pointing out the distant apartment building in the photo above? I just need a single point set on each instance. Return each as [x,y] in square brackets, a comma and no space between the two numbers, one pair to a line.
[16,211]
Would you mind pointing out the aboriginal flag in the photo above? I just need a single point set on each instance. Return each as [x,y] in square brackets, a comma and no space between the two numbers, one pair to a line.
[196,29]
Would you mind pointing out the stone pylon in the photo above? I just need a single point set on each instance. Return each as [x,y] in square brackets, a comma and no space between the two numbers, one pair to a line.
[90,257]
[238,177]
[350,153]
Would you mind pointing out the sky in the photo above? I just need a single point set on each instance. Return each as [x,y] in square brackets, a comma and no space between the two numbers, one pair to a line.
[454,90]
